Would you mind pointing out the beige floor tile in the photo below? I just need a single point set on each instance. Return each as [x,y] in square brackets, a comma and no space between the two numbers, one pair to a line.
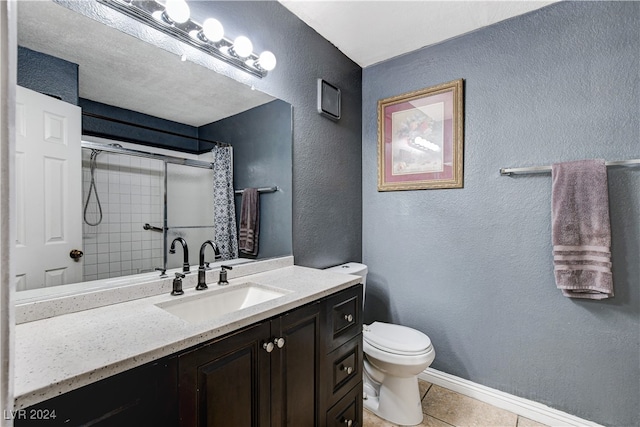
[463,411]
[371,420]
[526,422]
[429,421]
[424,387]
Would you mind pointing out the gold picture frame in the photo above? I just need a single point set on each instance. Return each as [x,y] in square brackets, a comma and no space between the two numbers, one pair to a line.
[420,139]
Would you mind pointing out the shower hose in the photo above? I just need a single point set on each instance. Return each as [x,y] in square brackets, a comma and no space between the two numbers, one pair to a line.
[92,188]
[93,162]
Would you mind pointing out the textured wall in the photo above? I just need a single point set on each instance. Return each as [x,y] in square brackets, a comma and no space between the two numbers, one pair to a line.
[261,139]
[47,74]
[123,132]
[327,199]
[472,267]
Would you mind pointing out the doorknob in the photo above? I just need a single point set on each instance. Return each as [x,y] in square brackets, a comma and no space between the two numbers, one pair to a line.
[76,254]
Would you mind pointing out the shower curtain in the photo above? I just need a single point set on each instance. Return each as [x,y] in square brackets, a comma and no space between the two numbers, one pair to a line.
[226,236]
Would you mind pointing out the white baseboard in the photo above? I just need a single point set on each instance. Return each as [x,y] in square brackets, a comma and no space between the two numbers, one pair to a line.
[527,408]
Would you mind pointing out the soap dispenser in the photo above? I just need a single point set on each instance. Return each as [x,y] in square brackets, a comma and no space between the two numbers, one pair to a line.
[177,284]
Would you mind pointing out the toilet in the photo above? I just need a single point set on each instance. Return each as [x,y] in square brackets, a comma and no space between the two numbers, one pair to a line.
[394,355]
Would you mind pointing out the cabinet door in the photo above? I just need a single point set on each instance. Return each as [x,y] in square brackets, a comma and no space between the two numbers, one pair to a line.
[142,396]
[226,383]
[295,368]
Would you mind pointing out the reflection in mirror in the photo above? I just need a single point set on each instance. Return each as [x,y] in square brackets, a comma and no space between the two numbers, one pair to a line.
[160,105]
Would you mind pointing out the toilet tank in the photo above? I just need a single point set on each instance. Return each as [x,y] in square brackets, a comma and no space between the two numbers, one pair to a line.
[355,269]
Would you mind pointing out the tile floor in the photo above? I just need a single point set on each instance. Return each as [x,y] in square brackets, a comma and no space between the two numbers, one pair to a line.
[445,408]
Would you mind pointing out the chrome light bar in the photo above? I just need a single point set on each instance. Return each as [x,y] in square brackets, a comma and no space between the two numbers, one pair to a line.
[152,13]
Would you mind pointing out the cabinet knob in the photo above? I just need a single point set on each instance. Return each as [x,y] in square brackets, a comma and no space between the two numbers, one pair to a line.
[348,317]
[348,422]
[279,342]
[268,346]
[347,369]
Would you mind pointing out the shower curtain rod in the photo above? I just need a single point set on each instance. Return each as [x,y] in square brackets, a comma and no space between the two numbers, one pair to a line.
[547,169]
[168,159]
[124,122]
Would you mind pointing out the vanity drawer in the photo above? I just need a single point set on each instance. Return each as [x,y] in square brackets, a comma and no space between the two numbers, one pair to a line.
[348,411]
[342,370]
[344,316]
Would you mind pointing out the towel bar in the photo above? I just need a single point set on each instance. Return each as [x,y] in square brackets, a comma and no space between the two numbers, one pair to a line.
[547,169]
[262,190]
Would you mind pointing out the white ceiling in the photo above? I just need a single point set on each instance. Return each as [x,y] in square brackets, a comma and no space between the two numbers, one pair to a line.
[121,70]
[373,31]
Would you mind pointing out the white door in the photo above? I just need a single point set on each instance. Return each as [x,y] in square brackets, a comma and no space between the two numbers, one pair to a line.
[48,191]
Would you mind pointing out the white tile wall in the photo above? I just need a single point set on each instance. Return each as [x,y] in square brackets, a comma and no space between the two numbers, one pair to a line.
[130,191]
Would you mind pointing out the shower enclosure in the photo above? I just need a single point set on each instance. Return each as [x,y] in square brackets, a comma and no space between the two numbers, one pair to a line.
[135,202]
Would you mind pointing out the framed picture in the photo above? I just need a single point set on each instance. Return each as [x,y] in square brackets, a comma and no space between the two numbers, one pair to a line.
[420,139]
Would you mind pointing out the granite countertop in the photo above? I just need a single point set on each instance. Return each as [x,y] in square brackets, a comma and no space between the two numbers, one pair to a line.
[65,352]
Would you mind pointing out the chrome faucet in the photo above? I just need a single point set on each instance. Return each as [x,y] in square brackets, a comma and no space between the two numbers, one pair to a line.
[185,253]
[201,268]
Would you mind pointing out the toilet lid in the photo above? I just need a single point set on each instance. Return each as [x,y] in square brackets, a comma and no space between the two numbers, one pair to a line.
[396,338]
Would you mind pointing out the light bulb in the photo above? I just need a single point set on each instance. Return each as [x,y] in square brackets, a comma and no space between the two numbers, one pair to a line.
[213,30]
[267,61]
[242,46]
[177,10]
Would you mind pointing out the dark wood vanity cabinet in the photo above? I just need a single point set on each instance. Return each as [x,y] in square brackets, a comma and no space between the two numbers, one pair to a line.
[235,381]
[301,368]
[266,374]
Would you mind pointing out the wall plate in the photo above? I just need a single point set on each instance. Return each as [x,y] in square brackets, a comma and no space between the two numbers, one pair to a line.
[328,100]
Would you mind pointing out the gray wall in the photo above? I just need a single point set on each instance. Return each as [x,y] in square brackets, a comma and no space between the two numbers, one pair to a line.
[327,179]
[169,134]
[48,74]
[261,140]
[472,267]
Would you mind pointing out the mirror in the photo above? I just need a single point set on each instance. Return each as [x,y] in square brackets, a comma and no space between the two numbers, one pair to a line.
[135,76]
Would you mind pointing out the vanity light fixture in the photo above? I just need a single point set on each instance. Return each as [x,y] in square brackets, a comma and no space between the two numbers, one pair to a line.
[266,61]
[172,17]
[176,11]
[241,48]
[212,31]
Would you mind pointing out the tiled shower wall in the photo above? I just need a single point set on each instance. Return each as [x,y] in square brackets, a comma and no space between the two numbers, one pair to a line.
[130,190]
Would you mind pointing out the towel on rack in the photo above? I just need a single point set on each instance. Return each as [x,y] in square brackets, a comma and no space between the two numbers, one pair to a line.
[581,231]
[249,222]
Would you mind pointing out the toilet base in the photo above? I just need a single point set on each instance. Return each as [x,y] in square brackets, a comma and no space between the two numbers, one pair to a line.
[396,400]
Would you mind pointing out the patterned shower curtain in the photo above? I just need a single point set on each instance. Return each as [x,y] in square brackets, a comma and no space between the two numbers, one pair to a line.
[226,235]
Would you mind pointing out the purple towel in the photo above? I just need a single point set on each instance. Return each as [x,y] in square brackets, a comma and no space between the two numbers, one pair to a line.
[249,222]
[581,231]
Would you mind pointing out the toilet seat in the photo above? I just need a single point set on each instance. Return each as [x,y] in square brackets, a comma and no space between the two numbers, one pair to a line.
[396,339]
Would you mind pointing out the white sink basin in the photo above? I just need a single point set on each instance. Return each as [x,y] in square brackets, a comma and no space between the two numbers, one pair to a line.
[213,303]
